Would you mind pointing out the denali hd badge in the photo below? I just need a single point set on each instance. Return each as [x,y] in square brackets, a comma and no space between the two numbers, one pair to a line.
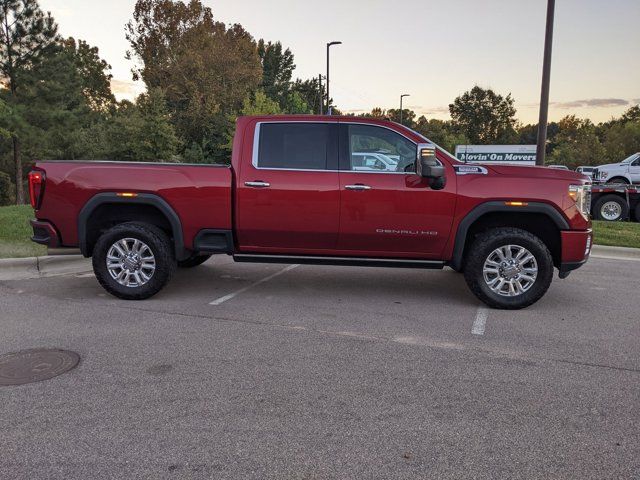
[470,170]
[393,231]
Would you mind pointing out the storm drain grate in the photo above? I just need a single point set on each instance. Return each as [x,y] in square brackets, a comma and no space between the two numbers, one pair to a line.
[35,365]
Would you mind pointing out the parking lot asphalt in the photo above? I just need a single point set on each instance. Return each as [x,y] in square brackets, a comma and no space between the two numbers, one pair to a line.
[310,372]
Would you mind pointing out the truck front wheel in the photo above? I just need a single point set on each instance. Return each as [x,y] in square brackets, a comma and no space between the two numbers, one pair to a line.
[133,261]
[508,268]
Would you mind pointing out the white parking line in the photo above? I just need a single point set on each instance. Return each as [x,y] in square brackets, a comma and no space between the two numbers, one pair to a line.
[220,300]
[480,321]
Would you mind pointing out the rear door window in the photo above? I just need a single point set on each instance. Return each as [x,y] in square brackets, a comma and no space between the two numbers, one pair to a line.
[294,146]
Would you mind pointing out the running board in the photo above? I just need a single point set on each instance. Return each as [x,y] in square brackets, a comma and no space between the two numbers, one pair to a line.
[346,261]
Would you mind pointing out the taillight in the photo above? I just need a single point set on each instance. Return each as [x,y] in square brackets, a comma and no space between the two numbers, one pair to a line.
[36,187]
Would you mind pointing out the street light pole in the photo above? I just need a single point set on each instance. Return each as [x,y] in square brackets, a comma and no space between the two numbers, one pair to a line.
[320,96]
[327,79]
[546,77]
[401,97]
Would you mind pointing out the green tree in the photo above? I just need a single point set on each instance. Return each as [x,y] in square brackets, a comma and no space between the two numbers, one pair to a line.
[408,116]
[277,70]
[260,104]
[7,190]
[311,94]
[631,115]
[140,131]
[440,132]
[59,103]
[94,72]
[622,140]
[26,34]
[484,116]
[205,69]
[577,144]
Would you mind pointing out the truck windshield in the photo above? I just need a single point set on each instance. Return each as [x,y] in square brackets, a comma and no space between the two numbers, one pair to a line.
[631,158]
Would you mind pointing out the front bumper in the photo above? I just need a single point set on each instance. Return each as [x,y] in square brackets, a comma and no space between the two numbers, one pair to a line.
[576,247]
[44,233]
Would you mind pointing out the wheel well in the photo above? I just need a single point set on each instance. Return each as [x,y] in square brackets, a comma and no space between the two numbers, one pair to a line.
[621,177]
[538,224]
[107,215]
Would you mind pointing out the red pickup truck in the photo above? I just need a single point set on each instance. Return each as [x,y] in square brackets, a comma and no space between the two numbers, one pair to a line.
[319,190]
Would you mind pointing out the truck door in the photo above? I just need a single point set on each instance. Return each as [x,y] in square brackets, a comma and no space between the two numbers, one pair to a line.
[634,170]
[390,213]
[288,196]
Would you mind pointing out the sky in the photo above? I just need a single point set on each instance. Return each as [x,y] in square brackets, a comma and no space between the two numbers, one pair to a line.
[432,50]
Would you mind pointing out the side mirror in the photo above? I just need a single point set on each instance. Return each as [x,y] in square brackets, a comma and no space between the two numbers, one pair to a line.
[428,166]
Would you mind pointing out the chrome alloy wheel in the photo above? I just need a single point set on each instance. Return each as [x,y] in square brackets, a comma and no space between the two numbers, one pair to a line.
[131,262]
[611,211]
[510,270]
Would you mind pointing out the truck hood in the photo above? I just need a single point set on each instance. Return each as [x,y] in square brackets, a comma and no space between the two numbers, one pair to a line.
[610,165]
[535,172]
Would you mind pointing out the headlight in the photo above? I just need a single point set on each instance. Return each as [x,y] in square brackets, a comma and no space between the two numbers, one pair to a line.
[581,194]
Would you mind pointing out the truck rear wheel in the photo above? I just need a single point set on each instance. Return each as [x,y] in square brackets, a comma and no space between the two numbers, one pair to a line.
[611,208]
[133,261]
[508,268]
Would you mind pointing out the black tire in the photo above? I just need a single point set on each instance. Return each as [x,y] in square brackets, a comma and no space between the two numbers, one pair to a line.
[482,248]
[193,261]
[637,210]
[603,205]
[618,180]
[160,246]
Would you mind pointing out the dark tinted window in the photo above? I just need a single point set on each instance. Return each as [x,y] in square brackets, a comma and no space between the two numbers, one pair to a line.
[293,145]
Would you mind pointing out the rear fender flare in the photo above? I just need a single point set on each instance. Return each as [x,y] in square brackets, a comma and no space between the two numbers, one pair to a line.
[494,206]
[140,199]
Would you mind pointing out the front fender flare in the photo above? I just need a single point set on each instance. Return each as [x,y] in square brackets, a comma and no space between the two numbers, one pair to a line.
[496,206]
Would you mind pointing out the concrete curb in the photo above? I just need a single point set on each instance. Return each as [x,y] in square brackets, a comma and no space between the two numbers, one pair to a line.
[46,266]
[602,251]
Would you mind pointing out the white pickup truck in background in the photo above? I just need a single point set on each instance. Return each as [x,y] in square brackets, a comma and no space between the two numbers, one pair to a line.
[627,171]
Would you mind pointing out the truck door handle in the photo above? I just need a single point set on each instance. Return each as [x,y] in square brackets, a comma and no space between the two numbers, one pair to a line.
[357,186]
[257,184]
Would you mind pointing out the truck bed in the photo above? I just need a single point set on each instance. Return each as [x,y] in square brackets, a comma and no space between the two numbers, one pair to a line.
[199,194]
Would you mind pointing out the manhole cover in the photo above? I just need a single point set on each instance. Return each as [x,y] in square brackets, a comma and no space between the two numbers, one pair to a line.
[30,366]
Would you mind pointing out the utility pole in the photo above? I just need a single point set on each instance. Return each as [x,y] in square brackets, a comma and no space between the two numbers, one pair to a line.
[320,96]
[401,97]
[328,97]
[546,77]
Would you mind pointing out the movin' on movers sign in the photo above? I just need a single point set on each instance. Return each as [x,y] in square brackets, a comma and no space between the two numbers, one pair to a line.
[503,154]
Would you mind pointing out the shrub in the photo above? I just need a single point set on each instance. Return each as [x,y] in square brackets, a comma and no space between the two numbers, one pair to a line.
[7,190]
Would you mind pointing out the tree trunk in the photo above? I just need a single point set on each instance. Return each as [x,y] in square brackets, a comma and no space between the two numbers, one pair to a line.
[17,159]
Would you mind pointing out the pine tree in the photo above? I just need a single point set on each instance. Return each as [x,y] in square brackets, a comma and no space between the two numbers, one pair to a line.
[26,33]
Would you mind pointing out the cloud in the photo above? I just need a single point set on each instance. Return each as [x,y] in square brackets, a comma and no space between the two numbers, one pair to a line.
[126,89]
[435,110]
[593,103]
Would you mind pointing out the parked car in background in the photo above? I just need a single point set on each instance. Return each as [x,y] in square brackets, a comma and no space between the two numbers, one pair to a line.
[586,171]
[558,167]
[627,171]
[364,161]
